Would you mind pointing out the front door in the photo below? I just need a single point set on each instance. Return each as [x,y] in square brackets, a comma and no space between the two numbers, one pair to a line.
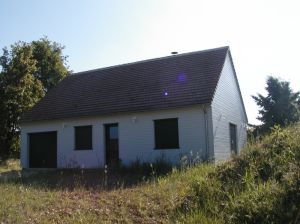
[112,144]
[233,142]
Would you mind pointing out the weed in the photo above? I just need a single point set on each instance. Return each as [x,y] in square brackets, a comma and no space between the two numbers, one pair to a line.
[261,185]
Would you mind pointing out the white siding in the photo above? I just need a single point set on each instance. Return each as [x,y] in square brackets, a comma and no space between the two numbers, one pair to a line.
[227,107]
[210,137]
[136,138]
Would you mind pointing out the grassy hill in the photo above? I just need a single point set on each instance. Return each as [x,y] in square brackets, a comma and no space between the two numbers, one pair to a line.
[262,185]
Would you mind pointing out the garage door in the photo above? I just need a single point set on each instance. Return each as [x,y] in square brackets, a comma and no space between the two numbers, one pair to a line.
[43,150]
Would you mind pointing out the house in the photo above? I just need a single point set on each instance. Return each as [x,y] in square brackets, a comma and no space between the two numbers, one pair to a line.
[160,108]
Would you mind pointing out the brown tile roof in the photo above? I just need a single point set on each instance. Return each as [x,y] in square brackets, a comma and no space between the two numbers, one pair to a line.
[169,82]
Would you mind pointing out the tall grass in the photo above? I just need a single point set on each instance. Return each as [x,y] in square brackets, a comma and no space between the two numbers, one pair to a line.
[262,185]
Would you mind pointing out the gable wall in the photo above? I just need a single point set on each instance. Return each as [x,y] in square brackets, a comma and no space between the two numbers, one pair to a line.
[227,107]
[136,139]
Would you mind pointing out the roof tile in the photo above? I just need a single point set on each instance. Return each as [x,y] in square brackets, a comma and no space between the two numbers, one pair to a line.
[169,82]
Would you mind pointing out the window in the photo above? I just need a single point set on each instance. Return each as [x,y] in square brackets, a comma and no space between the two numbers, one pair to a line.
[233,140]
[166,133]
[83,137]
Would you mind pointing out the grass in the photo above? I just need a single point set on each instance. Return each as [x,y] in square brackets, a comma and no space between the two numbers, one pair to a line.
[262,185]
[42,198]
[10,165]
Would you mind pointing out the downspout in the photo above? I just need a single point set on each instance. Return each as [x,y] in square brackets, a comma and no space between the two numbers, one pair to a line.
[206,135]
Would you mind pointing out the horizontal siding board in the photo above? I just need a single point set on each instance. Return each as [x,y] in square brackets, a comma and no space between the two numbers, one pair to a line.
[227,107]
[136,139]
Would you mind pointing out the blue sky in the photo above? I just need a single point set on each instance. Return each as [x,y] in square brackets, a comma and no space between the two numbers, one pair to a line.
[263,34]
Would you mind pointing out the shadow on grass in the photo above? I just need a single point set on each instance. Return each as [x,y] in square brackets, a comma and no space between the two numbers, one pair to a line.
[91,179]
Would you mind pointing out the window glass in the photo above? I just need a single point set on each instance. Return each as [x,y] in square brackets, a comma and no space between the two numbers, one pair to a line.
[113,132]
[83,137]
[166,133]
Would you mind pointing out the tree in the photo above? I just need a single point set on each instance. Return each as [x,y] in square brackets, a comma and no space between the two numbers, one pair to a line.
[280,106]
[28,71]
[20,90]
[51,63]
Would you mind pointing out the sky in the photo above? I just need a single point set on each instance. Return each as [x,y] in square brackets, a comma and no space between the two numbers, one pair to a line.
[263,35]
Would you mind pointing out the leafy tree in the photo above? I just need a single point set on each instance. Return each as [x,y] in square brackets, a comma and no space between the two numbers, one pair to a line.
[20,90]
[28,71]
[280,106]
[51,63]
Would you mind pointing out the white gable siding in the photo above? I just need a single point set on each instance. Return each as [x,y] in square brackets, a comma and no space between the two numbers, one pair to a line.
[136,138]
[227,107]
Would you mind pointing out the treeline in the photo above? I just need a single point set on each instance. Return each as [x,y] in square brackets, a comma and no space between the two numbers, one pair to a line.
[28,72]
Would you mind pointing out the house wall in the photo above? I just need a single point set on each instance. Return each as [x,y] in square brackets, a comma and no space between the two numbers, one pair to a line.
[210,152]
[227,107]
[136,138]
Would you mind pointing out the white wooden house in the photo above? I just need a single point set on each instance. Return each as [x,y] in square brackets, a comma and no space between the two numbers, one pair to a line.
[165,107]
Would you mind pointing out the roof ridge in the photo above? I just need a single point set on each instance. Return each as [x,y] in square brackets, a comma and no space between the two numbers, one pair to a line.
[151,59]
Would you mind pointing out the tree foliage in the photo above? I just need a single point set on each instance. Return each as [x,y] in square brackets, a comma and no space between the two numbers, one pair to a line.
[280,106]
[51,63]
[28,71]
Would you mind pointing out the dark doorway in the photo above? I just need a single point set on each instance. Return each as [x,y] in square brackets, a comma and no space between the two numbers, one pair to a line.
[43,150]
[112,144]
[233,142]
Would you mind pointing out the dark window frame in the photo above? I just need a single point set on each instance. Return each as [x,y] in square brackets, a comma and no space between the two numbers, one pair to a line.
[89,143]
[159,143]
